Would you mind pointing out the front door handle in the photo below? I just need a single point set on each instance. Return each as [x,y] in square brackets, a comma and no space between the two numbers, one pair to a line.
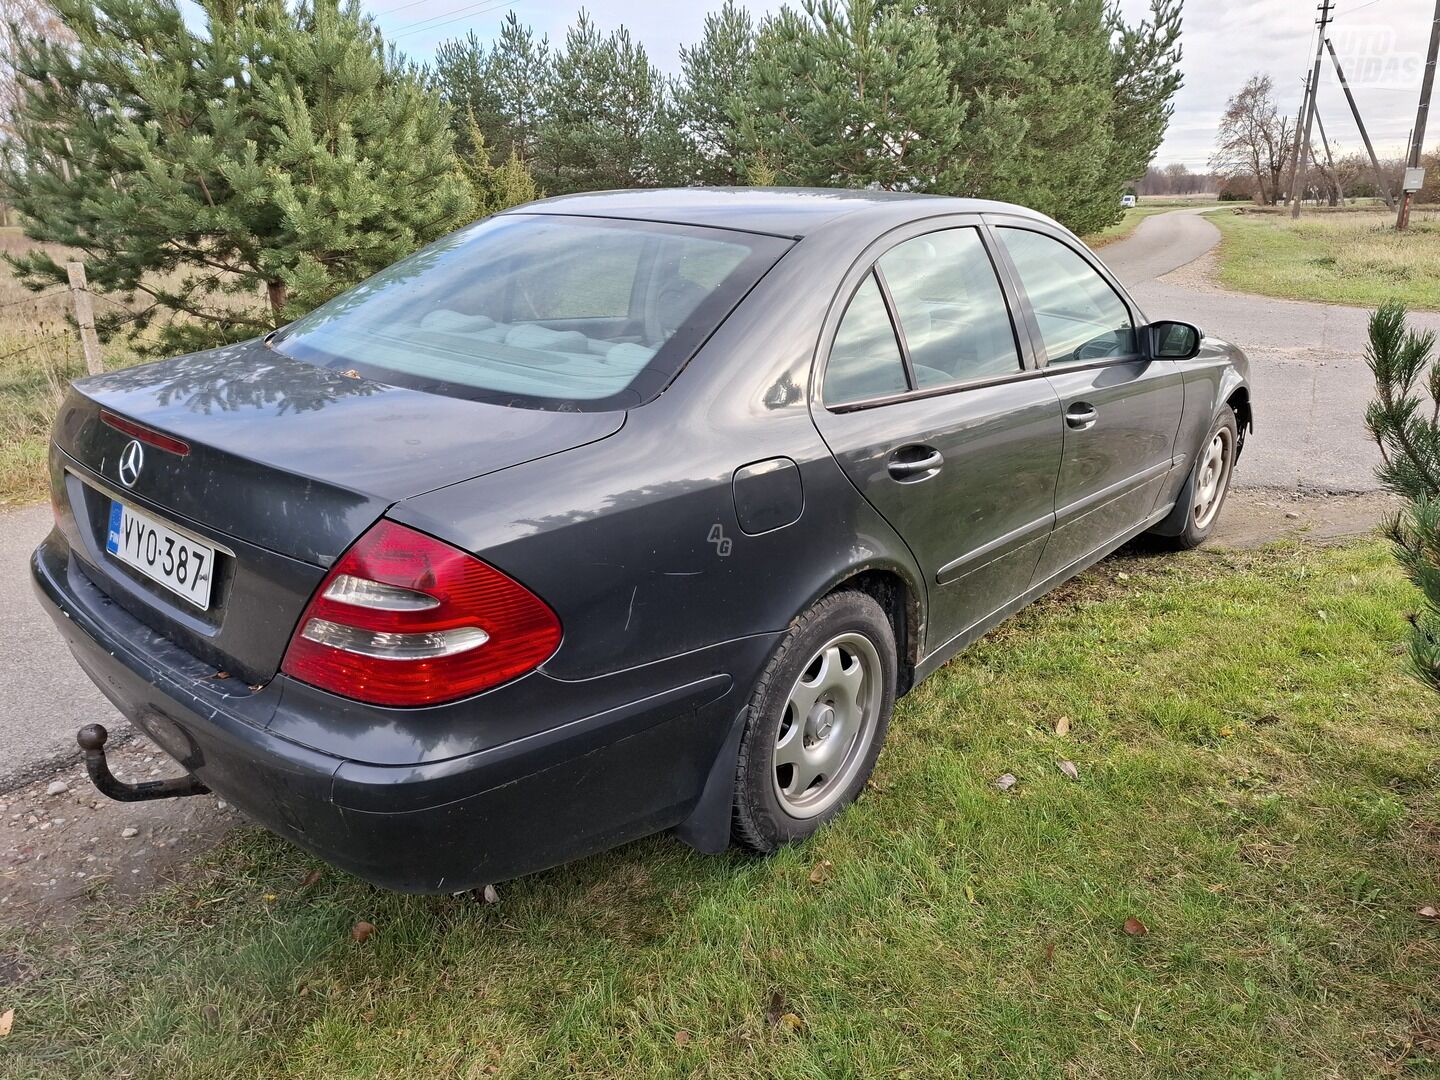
[914,462]
[1081,415]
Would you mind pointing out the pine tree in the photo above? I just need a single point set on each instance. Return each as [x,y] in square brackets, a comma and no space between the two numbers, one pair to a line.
[502,85]
[493,187]
[1037,76]
[854,95]
[1407,429]
[604,114]
[236,177]
[1145,75]
[710,96]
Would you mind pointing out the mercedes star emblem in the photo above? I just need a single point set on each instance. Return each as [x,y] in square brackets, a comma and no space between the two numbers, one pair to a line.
[131,461]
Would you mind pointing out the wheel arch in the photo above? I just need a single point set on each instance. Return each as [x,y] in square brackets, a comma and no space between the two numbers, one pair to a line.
[1238,399]
[898,599]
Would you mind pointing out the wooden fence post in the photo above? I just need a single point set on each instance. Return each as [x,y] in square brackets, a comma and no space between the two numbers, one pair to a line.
[85,316]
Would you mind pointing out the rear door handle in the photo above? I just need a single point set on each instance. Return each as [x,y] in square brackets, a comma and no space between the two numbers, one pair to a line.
[914,462]
[1081,415]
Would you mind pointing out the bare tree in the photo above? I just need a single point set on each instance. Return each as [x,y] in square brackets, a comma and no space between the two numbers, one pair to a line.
[1254,139]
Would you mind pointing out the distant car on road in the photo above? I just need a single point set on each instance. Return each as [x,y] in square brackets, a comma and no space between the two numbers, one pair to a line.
[616,513]
[1127,201]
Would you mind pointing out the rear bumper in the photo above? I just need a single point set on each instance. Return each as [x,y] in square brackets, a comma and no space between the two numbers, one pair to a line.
[578,784]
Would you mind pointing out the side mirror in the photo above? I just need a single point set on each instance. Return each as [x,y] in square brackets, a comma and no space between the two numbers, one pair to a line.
[1174,340]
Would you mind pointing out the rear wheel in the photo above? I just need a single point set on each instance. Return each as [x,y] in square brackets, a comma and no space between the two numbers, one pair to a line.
[1209,482]
[817,720]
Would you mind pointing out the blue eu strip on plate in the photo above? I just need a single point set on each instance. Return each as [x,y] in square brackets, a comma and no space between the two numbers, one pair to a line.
[112,537]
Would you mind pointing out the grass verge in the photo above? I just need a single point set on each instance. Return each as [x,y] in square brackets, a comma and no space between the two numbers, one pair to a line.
[1259,784]
[1354,257]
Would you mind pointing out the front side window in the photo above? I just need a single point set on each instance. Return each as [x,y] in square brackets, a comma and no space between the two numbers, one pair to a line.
[865,360]
[1081,317]
[951,309]
[540,311]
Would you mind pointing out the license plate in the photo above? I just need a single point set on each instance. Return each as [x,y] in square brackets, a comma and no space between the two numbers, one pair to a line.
[162,554]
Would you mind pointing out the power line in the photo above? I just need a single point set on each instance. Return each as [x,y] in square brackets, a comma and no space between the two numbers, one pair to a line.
[460,13]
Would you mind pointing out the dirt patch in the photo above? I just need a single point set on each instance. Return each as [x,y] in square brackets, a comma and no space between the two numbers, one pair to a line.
[61,852]
[1252,517]
[1201,273]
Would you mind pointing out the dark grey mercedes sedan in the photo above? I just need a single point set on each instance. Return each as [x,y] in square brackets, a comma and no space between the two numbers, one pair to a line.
[614,513]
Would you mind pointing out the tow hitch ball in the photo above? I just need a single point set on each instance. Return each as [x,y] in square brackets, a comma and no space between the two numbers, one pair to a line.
[92,738]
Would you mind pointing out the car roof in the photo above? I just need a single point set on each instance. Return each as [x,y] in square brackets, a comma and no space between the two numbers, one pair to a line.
[789,212]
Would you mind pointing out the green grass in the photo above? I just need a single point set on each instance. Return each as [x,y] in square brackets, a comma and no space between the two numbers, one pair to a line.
[1353,257]
[1259,783]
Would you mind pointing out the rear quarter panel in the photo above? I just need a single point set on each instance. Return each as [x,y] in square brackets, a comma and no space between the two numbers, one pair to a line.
[635,541]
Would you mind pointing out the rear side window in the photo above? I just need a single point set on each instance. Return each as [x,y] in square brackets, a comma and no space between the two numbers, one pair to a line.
[948,300]
[865,359]
[1081,317]
[539,310]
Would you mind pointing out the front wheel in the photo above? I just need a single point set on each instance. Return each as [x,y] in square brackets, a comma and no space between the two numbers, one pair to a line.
[816,722]
[1204,493]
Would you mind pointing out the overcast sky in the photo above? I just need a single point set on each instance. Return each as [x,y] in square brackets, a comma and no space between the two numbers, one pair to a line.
[1380,42]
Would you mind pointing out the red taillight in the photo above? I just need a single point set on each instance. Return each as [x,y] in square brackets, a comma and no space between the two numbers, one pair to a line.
[147,435]
[404,619]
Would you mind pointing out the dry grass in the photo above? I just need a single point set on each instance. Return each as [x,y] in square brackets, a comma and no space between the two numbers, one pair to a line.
[1353,257]
[39,354]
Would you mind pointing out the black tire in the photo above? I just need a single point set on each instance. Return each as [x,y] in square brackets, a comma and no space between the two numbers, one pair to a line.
[763,820]
[1184,530]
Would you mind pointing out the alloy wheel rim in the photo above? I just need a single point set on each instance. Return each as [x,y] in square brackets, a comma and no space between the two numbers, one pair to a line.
[1213,479]
[828,725]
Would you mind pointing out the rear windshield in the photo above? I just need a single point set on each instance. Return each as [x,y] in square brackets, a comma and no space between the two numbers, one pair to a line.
[540,311]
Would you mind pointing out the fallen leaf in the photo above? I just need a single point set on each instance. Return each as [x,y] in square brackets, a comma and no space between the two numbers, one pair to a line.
[1006,781]
[1428,912]
[7,1021]
[312,878]
[1123,576]
[821,873]
[791,1022]
[362,930]
[1135,928]
[490,894]
[1050,952]
[211,1013]
[1322,616]
[682,1038]
[1062,726]
[777,1008]
[970,894]
[270,898]
[1069,769]
[1226,732]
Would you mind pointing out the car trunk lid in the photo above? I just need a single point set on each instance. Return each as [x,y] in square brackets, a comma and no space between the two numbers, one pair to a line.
[286,465]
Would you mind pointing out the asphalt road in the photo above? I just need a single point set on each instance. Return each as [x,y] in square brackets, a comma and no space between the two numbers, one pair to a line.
[1310,382]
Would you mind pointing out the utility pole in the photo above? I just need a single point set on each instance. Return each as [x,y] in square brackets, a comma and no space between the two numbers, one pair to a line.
[1329,158]
[1364,135]
[1417,136]
[1302,160]
[1295,150]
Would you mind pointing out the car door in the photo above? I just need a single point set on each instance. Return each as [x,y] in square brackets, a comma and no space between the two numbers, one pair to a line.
[935,412]
[1121,410]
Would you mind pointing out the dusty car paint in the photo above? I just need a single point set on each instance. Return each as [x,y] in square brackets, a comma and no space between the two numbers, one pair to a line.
[676,541]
